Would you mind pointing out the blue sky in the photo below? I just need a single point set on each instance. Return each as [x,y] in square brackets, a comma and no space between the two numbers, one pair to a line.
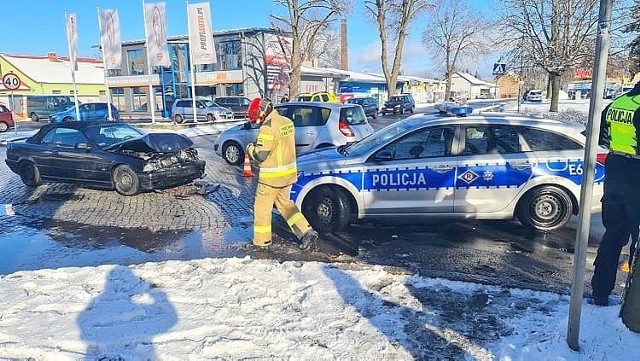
[39,28]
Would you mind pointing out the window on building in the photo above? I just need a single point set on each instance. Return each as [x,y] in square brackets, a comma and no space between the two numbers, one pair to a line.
[135,59]
[229,55]
[102,92]
[117,98]
[138,100]
[71,92]
[114,72]
[56,92]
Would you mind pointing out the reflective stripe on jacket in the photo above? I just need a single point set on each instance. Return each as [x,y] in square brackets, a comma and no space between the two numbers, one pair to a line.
[275,149]
[622,119]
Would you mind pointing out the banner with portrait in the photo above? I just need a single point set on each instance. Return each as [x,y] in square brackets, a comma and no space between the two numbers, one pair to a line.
[155,23]
[110,38]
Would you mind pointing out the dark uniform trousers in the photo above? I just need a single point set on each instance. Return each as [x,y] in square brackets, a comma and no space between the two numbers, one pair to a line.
[620,213]
[266,197]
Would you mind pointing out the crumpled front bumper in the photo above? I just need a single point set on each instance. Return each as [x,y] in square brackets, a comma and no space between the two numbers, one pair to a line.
[172,177]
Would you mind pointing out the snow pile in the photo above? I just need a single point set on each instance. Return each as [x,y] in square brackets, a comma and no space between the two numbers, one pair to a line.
[246,309]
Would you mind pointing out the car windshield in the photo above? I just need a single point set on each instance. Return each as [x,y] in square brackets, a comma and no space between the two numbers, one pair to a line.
[378,138]
[304,98]
[107,135]
[353,115]
[355,101]
[209,104]
[395,99]
[535,92]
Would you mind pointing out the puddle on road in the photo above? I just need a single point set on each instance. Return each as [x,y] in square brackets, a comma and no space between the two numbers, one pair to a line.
[29,245]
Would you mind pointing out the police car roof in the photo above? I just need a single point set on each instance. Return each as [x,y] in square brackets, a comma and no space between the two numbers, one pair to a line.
[495,118]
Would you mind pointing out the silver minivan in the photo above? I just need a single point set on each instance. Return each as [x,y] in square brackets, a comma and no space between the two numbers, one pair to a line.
[318,125]
[207,110]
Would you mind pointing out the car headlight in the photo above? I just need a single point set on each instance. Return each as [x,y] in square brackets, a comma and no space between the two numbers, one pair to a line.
[150,167]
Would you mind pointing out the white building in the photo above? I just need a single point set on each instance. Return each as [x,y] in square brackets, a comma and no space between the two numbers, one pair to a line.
[465,85]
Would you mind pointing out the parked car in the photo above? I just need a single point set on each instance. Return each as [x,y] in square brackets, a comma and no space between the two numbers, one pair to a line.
[533,95]
[238,104]
[399,104]
[6,119]
[369,104]
[207,110]
[317,97]
[88,112]
[42,106]
[479,167]
[111,155]
[318,125]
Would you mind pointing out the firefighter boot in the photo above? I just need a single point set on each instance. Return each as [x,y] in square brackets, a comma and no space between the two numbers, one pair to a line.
[309,240]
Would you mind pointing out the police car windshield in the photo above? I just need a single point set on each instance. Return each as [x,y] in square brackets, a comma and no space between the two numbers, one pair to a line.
[378,138]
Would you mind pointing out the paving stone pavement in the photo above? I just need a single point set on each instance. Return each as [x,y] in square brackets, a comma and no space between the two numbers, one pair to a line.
[228,206]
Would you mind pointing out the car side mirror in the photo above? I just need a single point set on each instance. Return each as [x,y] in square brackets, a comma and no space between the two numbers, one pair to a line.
[384,155]
[84,146]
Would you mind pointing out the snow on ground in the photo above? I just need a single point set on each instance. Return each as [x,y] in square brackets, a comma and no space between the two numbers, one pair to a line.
[261,309]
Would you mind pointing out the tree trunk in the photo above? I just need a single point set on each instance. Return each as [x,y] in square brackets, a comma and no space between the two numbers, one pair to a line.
[555,91]
[549,88]
[447,90]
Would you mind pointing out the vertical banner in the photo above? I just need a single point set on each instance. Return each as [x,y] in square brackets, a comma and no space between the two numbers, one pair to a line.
[156,29]
[110,38]
[200,36]
[72,39]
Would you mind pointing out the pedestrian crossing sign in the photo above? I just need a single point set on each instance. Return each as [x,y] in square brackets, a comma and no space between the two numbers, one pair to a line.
[499,68]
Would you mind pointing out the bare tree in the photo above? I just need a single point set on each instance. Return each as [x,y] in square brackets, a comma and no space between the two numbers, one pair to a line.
[305,20]
[393,18]
[555,35]
[454,31]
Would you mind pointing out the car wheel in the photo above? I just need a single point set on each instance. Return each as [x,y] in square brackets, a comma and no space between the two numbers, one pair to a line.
[3,127]
[402,110]
[327,209]
[125,180]
[34,117]
[411,109]
[210,118]
[30,174]
[67,119]
[545,208]
[233,153]
[375,115]
[178,118]
[384,113]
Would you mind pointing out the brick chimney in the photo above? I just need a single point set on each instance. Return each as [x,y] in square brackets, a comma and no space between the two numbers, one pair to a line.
[344,52]
[52,56]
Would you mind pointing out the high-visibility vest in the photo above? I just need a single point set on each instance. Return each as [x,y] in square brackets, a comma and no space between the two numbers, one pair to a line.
[622,130]
[277,139]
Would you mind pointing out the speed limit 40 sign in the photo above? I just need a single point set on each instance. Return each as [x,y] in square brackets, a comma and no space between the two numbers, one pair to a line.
[11,81]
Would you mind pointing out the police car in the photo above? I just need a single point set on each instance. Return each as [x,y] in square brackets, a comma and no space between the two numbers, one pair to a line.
[488,166]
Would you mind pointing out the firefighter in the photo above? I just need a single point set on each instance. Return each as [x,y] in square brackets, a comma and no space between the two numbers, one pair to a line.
[275,150]
[620,132]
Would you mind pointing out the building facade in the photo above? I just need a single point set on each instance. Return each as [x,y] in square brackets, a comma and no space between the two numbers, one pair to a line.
[50,76]
[250,62]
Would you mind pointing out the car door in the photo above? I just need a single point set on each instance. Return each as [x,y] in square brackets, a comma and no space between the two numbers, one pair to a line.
[86,112]
[308,121]
[492,168]
[412,175]
[66,160]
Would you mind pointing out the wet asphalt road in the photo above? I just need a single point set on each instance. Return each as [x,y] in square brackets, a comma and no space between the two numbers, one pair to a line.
[501,253]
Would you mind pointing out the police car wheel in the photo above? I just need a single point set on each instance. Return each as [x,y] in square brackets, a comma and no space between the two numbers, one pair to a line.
[545,208]
[327,209]
[232,153]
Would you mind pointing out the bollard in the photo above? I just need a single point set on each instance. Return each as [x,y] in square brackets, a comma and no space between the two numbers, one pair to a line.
[630,308]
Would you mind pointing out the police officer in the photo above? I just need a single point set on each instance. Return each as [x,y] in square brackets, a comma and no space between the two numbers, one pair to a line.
[275,150]
[620,132]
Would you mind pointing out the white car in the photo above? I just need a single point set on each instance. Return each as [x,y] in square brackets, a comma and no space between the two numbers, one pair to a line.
[318,125]
[534,95]
[488,166]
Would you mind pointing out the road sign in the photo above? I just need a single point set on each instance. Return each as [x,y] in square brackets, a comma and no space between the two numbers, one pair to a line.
[11,81]
[499,68]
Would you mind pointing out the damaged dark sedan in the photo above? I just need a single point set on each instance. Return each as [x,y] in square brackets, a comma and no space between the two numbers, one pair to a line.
[111,155]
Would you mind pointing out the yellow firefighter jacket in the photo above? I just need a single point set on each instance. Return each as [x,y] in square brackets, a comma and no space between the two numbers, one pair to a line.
[275,149]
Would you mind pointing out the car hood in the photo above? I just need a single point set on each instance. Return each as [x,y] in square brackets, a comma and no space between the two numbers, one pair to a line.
[309,161]
[154,143]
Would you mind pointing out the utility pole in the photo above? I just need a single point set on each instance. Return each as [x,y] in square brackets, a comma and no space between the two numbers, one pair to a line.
[586,190]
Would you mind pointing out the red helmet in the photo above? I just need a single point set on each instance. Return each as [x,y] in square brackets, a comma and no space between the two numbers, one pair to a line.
[254,110]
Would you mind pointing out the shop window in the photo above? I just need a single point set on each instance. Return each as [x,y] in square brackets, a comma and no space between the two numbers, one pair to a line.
[102,92]
[136,62]
[56,92]
[114,72]
[117,98]
[229,55]
[138,100]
